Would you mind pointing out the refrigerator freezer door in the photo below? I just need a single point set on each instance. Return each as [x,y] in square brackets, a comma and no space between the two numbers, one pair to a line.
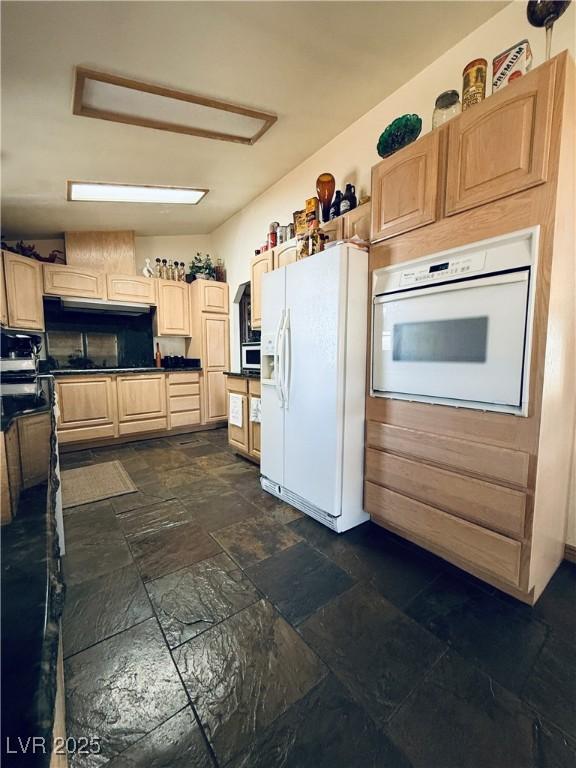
[313,426]
[272,408]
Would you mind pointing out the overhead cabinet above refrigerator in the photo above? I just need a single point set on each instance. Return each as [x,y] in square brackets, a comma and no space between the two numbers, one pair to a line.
[313,384]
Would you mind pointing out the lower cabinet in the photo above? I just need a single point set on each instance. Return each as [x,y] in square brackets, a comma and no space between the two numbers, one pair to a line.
[184,399]
[34,436]
[11,476]
[141,403]
[87,408]
[244,439]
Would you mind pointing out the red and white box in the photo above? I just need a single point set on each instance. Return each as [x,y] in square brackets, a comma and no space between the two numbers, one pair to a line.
[510,64]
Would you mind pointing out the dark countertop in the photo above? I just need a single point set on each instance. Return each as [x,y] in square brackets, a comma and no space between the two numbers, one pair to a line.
[11,406]
[92,371]
[243,374]
[32,601]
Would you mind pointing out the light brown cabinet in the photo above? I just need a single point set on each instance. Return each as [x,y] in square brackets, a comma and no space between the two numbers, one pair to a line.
[131,288]
[23,278]
[210,296]
[141,403]
[184,399]
[3,304]
[405,188]
[34,437]
[356,223]
[244,439]
[259,267]
[173,313]
[10,473]
[102,251]
[87,406]
[79,282]
[254,390]
[215,360]
[334,229]
[502,145]
[284,254]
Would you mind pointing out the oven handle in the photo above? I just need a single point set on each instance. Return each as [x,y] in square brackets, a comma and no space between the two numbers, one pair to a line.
[479,282]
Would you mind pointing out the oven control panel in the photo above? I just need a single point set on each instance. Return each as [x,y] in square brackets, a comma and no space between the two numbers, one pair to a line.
[459,266]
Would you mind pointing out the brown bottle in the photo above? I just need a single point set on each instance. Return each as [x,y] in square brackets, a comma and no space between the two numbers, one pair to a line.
[158,358]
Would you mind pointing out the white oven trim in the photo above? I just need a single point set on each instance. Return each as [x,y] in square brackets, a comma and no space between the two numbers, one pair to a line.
[530,233]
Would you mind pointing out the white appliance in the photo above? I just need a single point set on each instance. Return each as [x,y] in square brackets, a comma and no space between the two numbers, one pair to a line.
[251,357]
[454,328]
[313,378]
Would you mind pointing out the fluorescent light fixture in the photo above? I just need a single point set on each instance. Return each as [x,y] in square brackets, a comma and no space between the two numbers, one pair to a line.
[101,192]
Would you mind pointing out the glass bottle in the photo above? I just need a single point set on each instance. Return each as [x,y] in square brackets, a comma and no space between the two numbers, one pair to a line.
[325,185]
[348,199]
[447,105]
[164,269]
[335,207]
[157,268]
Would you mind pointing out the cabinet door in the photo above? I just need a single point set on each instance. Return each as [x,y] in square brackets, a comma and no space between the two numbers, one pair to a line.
[501,146]
[334,229]
[238,436]
[357,223]
[141,397]
[34,435]
[213,296]
[23,292]
[173,314]
[3,304]
[87,406]
[214,392]
[11,473]
[259,266]
[405,188]
[215,335]
[131,288]
[83,283]
[285,254]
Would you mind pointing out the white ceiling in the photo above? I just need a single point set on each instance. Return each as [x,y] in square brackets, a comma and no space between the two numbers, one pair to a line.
[318,65]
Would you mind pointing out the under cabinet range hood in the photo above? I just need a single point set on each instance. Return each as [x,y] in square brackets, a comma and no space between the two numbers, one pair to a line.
[103,305]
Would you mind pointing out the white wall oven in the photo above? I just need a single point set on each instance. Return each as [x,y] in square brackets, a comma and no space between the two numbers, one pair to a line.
[454,328]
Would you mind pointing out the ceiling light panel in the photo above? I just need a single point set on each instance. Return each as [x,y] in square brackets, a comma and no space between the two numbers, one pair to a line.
[119,99]
[99,192]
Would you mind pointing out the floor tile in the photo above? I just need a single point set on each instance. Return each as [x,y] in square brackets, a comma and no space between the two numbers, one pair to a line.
[242,471]
[177,743]
[490,632]
[460,718]
[276,509]
[200,490]
[146,496]
[557,604]
[371,555]
[219,511]
[94,545]
[196,450]
[376,651]
[325,729]
[101,607]
[244,673]
[253,540]
[299,580]
[214,460]
[551,687]
[151,519]
[171,549]
[120,689]
[193,599]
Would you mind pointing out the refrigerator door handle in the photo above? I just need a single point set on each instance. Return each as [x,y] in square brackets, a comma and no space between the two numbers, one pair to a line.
[278,372]
[287,356]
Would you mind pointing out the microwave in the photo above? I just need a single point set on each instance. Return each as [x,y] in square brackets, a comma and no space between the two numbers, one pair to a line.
[251,357]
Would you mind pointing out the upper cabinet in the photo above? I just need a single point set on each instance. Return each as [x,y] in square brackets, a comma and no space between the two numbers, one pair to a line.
[210,295]
[333,229]
[23,278]
[81,282]
[3,304]
[501,146]
[259,266]
[284,254]
[112,252]
[405,188]
[131,288]
[173,313]
[357,222]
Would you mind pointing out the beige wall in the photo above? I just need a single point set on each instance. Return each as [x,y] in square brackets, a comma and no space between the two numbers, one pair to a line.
[175,247]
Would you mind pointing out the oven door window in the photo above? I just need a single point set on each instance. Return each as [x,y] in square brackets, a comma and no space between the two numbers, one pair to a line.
[463,341]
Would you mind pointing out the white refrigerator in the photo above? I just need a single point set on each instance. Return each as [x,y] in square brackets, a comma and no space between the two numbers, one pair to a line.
[314,327]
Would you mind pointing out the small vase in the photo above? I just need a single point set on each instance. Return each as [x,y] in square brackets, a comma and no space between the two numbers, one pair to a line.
[325,186]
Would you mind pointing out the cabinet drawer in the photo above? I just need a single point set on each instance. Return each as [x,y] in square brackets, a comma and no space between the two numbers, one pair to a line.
[449,536]
[63,280]
[184,419]
[143,425]
[187,403]
[254,387]
[490,461]
[183,378]
[81,435]
[234,384]
[491,505]
[176,390]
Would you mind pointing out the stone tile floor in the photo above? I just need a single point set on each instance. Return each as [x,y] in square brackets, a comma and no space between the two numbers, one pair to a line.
[208,624]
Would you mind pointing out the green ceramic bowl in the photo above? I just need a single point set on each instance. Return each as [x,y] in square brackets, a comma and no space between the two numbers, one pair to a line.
[402,131]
